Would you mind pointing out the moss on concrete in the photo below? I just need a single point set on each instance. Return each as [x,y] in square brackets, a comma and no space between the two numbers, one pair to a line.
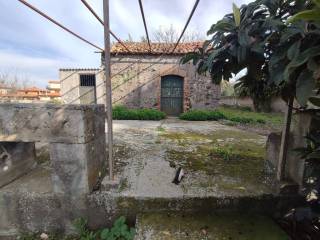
[224,154]
[218,226]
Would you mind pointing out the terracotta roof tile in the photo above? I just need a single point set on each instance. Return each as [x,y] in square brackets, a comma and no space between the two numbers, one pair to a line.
[156,48]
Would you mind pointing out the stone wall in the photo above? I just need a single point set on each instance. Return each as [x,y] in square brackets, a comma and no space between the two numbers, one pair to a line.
[136,82]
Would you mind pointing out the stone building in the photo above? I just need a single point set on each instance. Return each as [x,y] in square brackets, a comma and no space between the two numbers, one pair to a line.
[144,79]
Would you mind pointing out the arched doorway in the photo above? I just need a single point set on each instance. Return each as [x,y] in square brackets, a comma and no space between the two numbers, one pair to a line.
[172,95]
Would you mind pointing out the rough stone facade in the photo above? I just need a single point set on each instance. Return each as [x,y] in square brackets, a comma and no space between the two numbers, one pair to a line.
[136,82]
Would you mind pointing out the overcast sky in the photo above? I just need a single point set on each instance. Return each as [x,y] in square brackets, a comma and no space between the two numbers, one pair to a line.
[34,48]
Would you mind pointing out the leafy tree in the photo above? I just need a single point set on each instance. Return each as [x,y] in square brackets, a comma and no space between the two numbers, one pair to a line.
[234,46]
[293,48]
[280,55]
[312,15]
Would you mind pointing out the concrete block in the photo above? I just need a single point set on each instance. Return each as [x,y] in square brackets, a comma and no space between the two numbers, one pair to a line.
[273,148]
[78,168]
[50,123]
[16,159]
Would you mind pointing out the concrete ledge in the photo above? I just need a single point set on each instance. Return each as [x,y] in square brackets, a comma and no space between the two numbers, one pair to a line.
[50,123]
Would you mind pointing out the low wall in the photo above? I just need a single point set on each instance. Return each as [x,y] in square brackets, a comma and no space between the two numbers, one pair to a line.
[76,134]
[277,104]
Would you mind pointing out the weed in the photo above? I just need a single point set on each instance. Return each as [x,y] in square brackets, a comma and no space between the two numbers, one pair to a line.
[119,231]
[161,129]
[225,152]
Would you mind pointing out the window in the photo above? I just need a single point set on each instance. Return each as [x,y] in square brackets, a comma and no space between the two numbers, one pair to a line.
[87,90]
[87,80]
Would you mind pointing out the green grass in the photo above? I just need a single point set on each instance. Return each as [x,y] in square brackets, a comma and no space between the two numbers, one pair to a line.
[237,115]
[124,113]
[246,116]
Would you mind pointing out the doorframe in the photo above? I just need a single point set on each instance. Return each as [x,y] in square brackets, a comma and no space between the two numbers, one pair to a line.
[182,97]
[177,71]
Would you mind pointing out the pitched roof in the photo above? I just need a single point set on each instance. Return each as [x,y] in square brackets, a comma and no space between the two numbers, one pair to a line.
[137,48]
[31,89]
[3,86]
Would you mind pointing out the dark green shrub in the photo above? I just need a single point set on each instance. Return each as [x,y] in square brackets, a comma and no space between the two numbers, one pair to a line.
[262,121]
[150,114]
[237,116]
[244,120]
[201,115]
[123,113]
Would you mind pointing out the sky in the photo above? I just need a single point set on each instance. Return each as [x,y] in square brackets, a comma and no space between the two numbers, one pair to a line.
[33,48]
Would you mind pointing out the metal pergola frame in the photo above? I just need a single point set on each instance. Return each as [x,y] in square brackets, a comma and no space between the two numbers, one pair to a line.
[106,51]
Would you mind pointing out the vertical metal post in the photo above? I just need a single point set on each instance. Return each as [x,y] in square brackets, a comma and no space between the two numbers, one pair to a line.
[284,142]
[108,84]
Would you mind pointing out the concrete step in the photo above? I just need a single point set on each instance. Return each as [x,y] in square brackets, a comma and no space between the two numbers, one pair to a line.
[215,226]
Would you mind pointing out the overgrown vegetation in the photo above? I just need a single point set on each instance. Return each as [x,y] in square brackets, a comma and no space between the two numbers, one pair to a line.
[124,113]
[119,231]
[202,115]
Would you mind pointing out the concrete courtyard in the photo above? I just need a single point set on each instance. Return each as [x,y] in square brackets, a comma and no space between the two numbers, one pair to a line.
[218,160]
[224,170]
